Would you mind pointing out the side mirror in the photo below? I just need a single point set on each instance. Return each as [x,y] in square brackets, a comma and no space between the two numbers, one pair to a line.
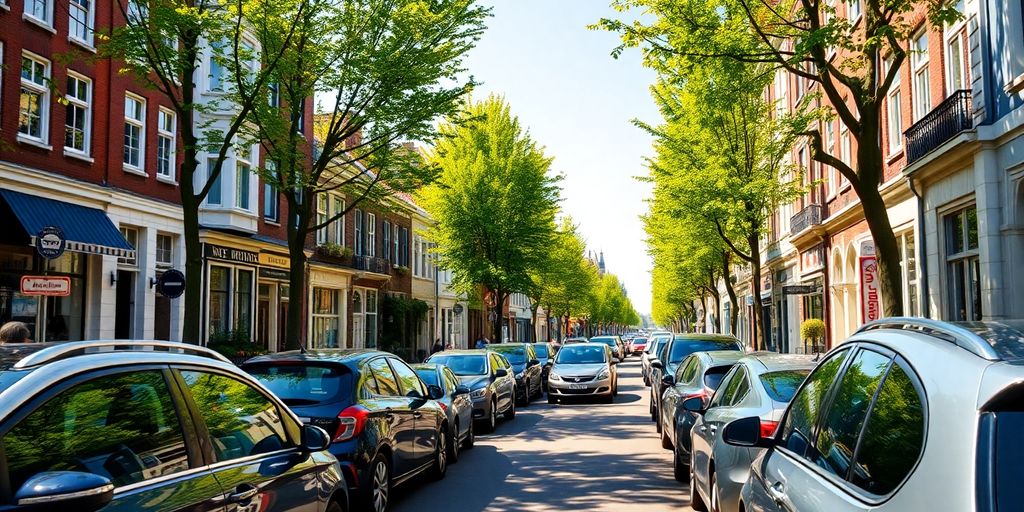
[694,405]
[501,373]
[534,362]
[436,393]
[656,363]
[746,432]
[461,390]
[668,380]
[69,490]
[314,438]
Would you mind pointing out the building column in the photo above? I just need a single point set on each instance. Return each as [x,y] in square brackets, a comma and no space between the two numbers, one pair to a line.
[987,179]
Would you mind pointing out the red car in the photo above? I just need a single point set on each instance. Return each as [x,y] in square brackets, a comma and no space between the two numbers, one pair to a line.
[637,345]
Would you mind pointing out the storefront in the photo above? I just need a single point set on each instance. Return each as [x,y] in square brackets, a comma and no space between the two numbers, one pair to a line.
[328,288]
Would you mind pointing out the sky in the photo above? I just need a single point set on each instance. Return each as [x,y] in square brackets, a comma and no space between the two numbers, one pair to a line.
[578,102]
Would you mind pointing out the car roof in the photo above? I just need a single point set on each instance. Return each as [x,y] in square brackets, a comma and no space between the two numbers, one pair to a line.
[587,344]
[463,352]
[426,366]
[766,361]
[350,356]
[497,346]
[991,340]
[718,357]
[705,337]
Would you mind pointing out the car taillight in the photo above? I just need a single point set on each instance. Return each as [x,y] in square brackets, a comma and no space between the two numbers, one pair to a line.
[443,407]
[768,428]
[351,422]
[703,395]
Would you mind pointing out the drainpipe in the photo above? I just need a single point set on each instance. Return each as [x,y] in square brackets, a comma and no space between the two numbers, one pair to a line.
[922,255]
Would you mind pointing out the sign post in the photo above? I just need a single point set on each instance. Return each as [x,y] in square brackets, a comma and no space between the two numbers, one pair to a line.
[171,284]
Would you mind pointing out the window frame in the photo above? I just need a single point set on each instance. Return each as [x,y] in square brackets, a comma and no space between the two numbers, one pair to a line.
[271,197]
[43,92]
[47,20]
[919,64]
[244,160]
[856,13]
[89,23]
[370,225]
[169,262]
[323,206]
[968,256]
[171,136]
[893,123]
[140,124]
[386,239]
[956,33]
[86,106]
[337,205]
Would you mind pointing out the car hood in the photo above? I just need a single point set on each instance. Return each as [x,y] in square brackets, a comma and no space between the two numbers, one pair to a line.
[474,381]
[519,368]
[578,370]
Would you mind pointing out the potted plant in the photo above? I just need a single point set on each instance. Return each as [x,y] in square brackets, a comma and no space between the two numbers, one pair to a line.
[813,329]
[333,250]
[401,270]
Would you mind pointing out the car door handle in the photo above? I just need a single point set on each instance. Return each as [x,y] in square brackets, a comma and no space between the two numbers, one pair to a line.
[778,492]
[243,493]
[417,414]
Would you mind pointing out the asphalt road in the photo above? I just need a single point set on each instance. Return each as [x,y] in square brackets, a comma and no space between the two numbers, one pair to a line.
[581,456]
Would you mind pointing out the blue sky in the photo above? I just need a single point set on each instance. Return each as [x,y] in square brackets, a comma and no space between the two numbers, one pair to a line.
[577,101]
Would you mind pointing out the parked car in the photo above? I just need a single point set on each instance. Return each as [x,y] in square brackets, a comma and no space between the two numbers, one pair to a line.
[385,427]
[144,425]
[546,355]
[454,399]
[908,414]
[696,376]
[570,341]
[526,368]
[637,345]
[583,370]
[668,359]
[490,380]
[760,384]
[655,344]
[614,343]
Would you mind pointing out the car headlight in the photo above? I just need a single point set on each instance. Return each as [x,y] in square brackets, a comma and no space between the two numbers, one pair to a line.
[554,376]
[520,375]
[478,393]
[603,374]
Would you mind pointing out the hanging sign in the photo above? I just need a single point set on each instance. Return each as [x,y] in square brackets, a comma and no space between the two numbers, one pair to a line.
[46,286]
[869,298]
[171,284]
[50,242]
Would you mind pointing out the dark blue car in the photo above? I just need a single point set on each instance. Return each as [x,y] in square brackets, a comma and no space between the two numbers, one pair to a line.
[456,404]
[384,426]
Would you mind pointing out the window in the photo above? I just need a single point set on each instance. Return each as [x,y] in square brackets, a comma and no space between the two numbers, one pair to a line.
[40,10]
[386,243]
[845,152]
[78,118]
[216,195]
[131,235]
[411,385]
[338,206]
[387,384]
[371,234]
[134,132]
[416,248]
[371,318]
[80,25]
[919,67]
[164,250]
[241,420]
[359,233]
[394,240]
[325,318]
[33,116]
[230,300]
[803,412]
[220,288]
[963,266]
[687,370]
[321,218]
[837,438]
[894,114]
[908,265]
[274,98]
[741,389]
[242,321]
[781,87]
[725,389]
[166,143]
[243,170]
[271,197]
[853,10]
[830,148]
[216,66]
[958,58]
[138,12]
[123,427]
[404,249]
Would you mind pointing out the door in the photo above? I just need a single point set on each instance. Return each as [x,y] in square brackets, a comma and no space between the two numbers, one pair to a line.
[162,318]
[504,387]
[264,316]
[125,304]
[399,415]
[282,323]
[424,413]
[252,444]
[124,426]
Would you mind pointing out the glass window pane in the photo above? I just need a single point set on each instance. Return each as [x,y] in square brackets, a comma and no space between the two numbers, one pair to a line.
[956,233]
[386,381]
[241,420]
[799,422]
[972,228]
[411,385]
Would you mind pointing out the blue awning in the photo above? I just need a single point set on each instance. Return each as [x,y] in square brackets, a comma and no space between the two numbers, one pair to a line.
[87,230]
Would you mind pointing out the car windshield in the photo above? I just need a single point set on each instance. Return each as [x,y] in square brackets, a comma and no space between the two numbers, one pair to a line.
[462,365]
[581,355]
[299,384]
[515,355]
[658,347]
[684,347]
[781,385]
[542,351]
[607,341]
[428,376]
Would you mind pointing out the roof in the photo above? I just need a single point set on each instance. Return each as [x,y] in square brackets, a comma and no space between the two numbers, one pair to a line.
[774,361]
[705,337]
[338,355]
[85,229]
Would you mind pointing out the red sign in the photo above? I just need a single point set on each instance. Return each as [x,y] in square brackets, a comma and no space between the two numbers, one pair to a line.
[49,286]
[870,308]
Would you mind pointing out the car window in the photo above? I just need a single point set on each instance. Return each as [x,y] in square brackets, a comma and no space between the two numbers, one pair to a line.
[838,434]
[725,393]
[686,371]
[451,381]
[240,419]
[713,376]
[782,384]
[429,377]
[503,362]
[369,388]
[387,384]
[742,387]
[412,386]
[123,427]
[302,384]
[894,436]
[799,422]
[495,364]
[541,351]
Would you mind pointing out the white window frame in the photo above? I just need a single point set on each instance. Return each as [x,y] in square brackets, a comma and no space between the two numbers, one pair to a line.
[394,241]
[88,24]
[955,35]
[357,244]
[854,11]
[322,209]
[171,137]
[416,256]
[47,16]
[781,93]
[911,274]
[243,168]
[215,84]
[73,101]
[894,112]
[371,234]
[830,147]
[338,206]
[129,233]
[167,262]
[43,91]
[139,123]
[270,192]
[846,152]
[920,82]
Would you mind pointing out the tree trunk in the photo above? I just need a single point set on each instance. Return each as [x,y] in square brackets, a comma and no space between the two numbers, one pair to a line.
[755,284]
[533,325]
[191,332]
[499,317]
[887,252]
[731,290]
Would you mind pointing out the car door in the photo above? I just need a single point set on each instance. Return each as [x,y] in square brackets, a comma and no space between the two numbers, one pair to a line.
[673,394]
[252,444]
[706,427]
[398,415]
[424,411]
[733,404]
[504,392]
[123,425]
[462,404]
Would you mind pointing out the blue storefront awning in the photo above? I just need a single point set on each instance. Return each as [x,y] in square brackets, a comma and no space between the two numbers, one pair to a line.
[87,230]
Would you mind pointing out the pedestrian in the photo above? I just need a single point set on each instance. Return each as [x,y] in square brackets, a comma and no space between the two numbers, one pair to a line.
[15,332]
[449,346]
[437,346]
[481,343]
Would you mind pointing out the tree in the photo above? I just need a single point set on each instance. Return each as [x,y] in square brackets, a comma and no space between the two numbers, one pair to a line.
[610,308]
[160,44]
[805,38]
[566,283]
[494,202]
[384,71]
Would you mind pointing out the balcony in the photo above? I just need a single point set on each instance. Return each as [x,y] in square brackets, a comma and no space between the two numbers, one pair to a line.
[809,216]
[371,264]
[944,122]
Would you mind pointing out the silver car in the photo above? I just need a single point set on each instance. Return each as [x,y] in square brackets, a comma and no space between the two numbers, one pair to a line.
[909,414]
[582,370]
[761,385]
[655,343]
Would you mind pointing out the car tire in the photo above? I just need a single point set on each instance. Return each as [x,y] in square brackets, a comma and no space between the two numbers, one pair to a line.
[551,399]
[510,414]
[334,506]
[453,444]
[379,489]
[657,421]
[608,399]
[470,437]
[680,470]
[714,506]
[440,467]
[696,502]
[492,418]
[666,443]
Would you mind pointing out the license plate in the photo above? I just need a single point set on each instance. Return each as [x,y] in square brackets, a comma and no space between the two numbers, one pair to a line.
[577,386]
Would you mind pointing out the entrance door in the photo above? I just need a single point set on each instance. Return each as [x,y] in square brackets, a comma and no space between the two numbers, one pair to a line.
[358,326]
[263,310]
[282,323]
[123,311]
[162,318]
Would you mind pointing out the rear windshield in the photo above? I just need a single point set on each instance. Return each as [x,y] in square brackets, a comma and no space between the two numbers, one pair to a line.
[782,385]
[515,355]
[462,365]
[713,377]
[299,384]
[581,355]
[656,348]
[685,347]
[542,351]
[428,376]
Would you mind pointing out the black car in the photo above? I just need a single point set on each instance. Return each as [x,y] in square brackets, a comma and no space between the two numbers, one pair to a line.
[546,355]
[456,404]
[489,378]
[680,346]
[526,367]
[384,425]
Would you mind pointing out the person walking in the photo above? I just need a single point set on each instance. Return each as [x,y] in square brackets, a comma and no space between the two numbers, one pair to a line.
[437,346]
[15,332]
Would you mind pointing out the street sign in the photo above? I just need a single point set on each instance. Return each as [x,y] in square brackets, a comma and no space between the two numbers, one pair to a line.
[47,286]
[457,309]
[50,242]
[870,309]
[799,289]
[171,284]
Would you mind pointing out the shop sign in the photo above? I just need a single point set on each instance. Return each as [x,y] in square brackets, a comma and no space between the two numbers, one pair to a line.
[232,254]
[867,248]
[47,286]
[269,259]
[457,309]
[273,273]
[50,242]
[171,284]
[869,300]
[799,289]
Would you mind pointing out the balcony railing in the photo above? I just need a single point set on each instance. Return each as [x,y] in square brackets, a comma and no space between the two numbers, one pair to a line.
[944,122]
[371,264]
[809,216]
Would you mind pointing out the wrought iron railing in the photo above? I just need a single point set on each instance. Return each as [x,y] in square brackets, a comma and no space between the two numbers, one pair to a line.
[944,122]
[809,216]
[371,264]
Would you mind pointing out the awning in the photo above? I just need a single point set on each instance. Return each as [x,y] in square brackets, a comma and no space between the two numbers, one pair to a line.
[87,230]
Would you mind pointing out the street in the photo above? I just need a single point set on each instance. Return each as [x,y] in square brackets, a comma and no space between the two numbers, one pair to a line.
[581,456]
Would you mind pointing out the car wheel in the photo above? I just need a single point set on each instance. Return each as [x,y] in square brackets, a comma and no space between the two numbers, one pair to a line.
[696,502]
[680,470]
[470,437]
[440,467]
[609,398]
[334,506]
[510,414]
[453,444]
[713,506]
[552,399]
[666,443]
[380,484]
[657,421]
[492,417]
